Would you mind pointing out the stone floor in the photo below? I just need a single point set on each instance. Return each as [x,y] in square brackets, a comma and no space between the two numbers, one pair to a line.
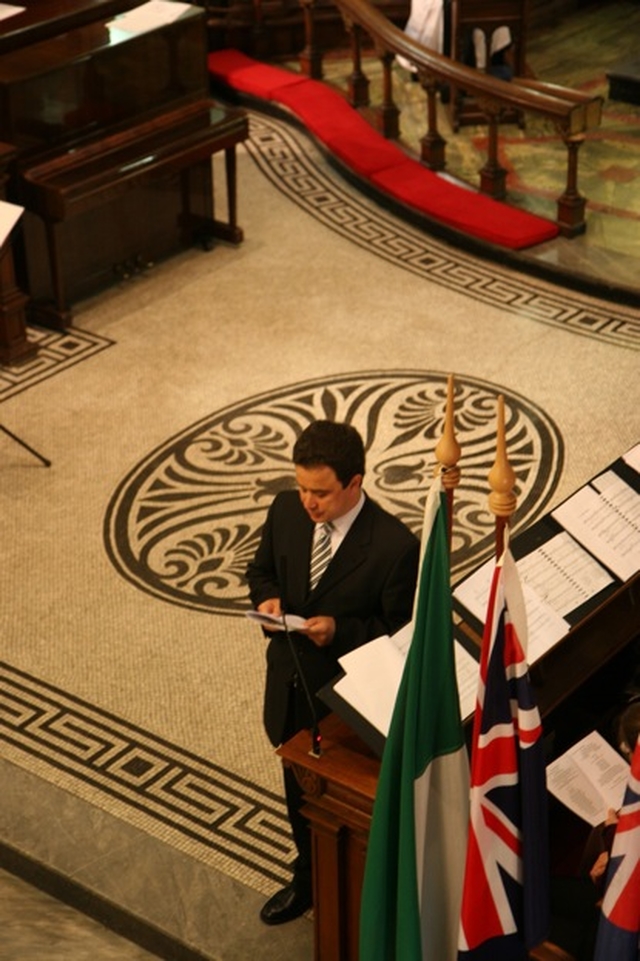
[37,927]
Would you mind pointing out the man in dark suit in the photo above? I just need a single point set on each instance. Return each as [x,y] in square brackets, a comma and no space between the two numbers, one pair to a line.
[366,590]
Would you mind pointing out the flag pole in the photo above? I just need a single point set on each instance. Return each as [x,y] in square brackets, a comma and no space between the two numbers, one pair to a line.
[502,478]
[448,454]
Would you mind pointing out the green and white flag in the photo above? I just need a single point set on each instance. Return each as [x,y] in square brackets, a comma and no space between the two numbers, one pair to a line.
[414,870]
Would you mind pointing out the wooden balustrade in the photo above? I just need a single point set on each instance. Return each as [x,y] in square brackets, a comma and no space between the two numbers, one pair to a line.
[572,113]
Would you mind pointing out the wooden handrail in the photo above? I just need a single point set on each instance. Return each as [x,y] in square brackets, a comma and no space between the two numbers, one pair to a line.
[571,112]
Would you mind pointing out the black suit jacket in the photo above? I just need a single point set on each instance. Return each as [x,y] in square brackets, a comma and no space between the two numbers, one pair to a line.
[368,588]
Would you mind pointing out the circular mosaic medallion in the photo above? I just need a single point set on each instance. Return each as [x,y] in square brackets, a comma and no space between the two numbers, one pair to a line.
[184,524]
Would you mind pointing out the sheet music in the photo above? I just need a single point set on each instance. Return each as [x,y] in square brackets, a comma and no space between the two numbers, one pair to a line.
[590,778]
[563,574]
[8,10]
[150,15]
[632,458]
[9,216]
[274,623]
[545,625]
[605,517]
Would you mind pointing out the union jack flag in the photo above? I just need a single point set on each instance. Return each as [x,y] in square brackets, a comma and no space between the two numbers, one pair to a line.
[619,924]
[505,900]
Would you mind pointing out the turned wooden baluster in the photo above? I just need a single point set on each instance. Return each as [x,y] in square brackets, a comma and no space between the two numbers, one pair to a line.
[502,500]
[432,145]
[357,83]
[386,116]
[571,205]
[311,56]
[493,177]
[448,454]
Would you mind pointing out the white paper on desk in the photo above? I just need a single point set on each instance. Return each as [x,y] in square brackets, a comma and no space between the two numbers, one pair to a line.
[632,458]
[372,677]
[9,216]
[545,626]
[563,574]
[155,13]
[8,10]
[605,517]
[589,778]
[374,671]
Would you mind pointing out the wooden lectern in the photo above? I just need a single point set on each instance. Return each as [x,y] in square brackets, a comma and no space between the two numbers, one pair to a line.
[340,788]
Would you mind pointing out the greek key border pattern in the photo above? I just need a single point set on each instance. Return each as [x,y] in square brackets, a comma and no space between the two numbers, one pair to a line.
[234,819]
[57,351]
[283,156]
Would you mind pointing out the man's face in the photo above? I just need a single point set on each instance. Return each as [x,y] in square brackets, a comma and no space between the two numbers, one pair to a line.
[323,496]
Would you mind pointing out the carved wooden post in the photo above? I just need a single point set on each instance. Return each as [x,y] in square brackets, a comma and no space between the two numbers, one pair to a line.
[448,454]
[571,205]
[386,116]
[493,177]
[358,84]
[311,56]
[14,345]
[432,145]
[502,500]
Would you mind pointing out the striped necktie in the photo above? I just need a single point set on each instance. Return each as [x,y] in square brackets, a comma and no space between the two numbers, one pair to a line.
[321,553]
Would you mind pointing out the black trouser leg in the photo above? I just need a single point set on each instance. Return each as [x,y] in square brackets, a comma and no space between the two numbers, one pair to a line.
[301,834]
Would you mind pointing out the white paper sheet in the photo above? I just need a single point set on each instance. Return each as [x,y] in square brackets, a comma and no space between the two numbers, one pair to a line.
[155,13]
[545,626]
[590,778]
[9,10]
[9,216]
[605,517]
[293,621]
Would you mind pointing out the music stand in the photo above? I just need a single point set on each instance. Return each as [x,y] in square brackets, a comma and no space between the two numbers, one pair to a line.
[18,440]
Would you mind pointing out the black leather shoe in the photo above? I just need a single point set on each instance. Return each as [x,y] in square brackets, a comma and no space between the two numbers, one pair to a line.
[285,905]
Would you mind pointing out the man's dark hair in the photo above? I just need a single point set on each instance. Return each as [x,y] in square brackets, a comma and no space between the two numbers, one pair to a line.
[325,443]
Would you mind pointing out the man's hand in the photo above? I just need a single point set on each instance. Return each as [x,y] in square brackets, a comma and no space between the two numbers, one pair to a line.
[320,630]
[599,867]
[270,606]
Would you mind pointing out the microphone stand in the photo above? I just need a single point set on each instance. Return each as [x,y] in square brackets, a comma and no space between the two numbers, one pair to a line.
[316,737]
[23,443]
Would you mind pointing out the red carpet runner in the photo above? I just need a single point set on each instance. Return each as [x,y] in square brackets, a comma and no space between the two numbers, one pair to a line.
[360,148]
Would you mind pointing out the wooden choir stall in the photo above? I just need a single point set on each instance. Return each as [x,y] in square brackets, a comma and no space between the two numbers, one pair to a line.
[340,784]
[105,104]
[479,28]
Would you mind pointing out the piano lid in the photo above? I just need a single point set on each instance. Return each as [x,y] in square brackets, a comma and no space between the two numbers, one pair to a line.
[45,18]
[85,83]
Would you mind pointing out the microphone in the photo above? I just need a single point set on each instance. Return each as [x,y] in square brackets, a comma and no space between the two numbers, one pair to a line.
[316,737]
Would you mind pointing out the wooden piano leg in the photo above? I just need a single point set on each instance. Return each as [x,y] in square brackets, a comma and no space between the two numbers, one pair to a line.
[56,314]
[229,231]
[232,196]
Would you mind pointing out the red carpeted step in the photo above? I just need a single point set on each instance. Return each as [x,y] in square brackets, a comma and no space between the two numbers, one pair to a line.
[250,76]
[352,140]
[340,127]
[476,214]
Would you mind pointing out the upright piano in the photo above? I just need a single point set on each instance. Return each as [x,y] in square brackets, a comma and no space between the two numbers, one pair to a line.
[106,106]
